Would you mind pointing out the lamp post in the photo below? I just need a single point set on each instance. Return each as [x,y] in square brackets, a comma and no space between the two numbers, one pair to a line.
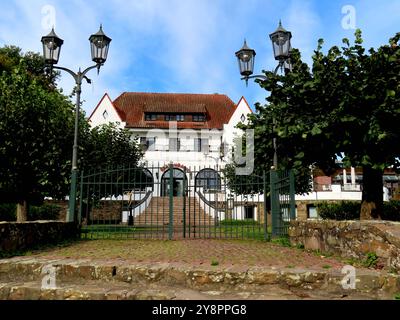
[281,44]
[99,44]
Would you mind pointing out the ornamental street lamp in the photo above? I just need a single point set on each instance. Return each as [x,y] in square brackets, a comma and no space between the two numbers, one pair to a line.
[99,44]
[281,44]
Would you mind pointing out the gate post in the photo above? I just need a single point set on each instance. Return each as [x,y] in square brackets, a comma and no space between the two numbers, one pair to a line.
[292,196]
[184,202]
[171,202]
[80,200]
[274,203]
[265,207]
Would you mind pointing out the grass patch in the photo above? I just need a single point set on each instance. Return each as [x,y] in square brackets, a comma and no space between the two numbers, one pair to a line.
[326,266]
[352,262]
[397,296]
[283,241]
[393,271]
[322,254]
[36,249]
[246,222]
[214,263]
[238,230]
[371,260]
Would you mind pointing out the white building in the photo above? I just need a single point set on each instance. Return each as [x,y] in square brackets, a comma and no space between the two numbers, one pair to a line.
[193,132]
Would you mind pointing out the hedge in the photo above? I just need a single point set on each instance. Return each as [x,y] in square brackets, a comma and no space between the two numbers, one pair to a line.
[44,212]
[350,210]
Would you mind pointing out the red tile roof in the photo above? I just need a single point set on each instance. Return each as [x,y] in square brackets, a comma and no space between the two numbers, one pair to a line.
[132,106]
[161,107]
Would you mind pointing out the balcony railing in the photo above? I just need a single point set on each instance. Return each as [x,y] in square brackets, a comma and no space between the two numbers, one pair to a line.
[183,148]
[322,187]
[351,187]
[345,188]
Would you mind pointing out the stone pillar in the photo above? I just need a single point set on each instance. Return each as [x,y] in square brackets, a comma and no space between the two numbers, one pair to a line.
[353,176]
[344,177]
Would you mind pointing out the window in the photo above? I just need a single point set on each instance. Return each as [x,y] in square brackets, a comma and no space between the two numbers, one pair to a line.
[148,144]
[199,118]
[150,117]
[175,117]
[105,114]
[174,144]
[249,213]
[312,212]
[208,179]
[200,145]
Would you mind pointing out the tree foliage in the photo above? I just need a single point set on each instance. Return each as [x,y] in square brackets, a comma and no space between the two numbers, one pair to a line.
[36,133]
[347,105]
[107,146]
[36,130]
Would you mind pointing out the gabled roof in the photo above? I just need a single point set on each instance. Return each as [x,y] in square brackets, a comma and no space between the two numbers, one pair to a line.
[132,106]
[106,96]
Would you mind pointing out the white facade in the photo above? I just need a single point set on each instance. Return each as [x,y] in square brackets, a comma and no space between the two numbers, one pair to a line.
[105,113]
[187,156]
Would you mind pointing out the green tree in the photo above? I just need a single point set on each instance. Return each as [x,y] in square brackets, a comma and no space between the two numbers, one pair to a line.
[107,146]
[346,106]
[36,134]
[35,138]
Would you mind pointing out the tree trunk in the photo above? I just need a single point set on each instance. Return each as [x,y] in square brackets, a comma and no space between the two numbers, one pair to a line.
[22,211]
[372,194]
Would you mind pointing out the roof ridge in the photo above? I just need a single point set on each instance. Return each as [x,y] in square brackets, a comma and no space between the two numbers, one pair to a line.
[173,93]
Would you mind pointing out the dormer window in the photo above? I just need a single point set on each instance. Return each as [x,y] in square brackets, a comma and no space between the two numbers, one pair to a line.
[175,117]
[199,118]
[150,117]
[105,114]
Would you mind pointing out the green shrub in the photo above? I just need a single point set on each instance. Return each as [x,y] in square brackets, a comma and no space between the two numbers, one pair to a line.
[283,241]
[44,212]
[391,210]
[371,260]
[350,210]
[8,212]
[214,263]
[345,210]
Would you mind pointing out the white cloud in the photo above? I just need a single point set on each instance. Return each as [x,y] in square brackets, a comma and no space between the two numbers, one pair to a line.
[181,45]
[305,23]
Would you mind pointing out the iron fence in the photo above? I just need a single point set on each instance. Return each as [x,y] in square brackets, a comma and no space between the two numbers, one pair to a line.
[175,202]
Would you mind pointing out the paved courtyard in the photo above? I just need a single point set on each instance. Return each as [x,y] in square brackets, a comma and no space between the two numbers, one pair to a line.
[224,253]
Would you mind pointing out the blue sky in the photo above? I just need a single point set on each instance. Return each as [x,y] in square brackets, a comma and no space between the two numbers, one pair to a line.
[185,45]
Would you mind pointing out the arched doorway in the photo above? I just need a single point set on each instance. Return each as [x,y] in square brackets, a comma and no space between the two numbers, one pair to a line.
[209,179]
[178,183]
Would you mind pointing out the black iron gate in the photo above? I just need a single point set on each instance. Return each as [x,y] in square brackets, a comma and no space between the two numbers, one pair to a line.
[173,202]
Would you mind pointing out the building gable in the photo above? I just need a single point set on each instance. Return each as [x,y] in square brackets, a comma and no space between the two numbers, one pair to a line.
[105,112]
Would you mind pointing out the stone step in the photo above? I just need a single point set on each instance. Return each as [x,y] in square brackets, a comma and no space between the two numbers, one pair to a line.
[157,212]
[97,290]
[20,277]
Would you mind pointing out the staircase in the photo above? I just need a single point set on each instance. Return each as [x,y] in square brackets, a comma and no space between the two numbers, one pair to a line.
[157,213]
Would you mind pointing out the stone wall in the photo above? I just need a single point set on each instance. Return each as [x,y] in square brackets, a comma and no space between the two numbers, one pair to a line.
[351,239]
[103,212]
[26,235]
